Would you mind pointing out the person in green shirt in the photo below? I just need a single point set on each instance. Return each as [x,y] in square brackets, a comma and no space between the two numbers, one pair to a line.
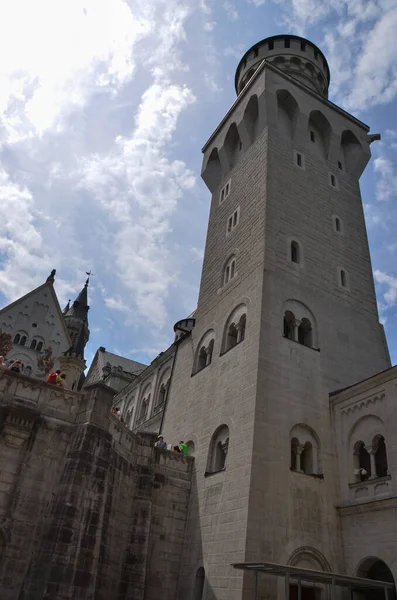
[183,448]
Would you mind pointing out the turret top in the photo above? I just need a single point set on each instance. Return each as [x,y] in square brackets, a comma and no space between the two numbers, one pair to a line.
[295,55]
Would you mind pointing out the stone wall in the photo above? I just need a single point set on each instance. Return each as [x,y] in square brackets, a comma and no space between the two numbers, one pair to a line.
[87,509]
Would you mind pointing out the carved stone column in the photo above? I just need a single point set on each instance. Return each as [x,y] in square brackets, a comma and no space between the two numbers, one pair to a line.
[371,451]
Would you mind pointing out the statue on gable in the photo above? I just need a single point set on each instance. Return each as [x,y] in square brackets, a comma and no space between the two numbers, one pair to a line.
[45,360]
[5,343]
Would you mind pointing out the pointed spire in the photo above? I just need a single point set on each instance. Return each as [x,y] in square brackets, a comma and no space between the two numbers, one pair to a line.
[67,308]
[80,308]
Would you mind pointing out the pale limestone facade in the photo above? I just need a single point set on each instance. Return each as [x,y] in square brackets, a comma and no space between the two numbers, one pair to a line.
[286,219]
[37,321]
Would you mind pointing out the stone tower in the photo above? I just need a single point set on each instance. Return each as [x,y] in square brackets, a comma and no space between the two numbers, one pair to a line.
[76,319]
[286,314]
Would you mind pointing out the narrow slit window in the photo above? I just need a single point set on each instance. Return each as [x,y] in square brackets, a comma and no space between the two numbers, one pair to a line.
[343,278]
[337,225]
[286,43]
[222,195]
[230,224]
[295,258]
[255,52]
[227,274]
[333,180]
[227,189]
[340,165]
[233,266]
[303,46]
[315,55]
[234,219]
[299,159]
[271,44]
[312,136]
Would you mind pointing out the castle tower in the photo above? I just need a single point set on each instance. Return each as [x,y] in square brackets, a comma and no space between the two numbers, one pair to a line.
[286,314]
[76,319]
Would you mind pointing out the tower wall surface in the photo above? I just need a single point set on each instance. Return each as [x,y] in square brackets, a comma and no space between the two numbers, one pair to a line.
[287,163]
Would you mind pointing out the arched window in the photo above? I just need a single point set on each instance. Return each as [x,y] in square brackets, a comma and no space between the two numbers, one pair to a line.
[231,336]
[143,410]
[379,448]
[17,338]
[289,325]
[23,340]
[305,450]
[362,462]
[204,353]
[33,344]
[299,324]
[305,333]
[295,253]
[161,394]
[234,331]
[218,450]
[229,270]
[39,346]
[199,584]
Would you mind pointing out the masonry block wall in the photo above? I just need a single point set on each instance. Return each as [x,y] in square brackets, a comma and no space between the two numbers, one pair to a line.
[82,499]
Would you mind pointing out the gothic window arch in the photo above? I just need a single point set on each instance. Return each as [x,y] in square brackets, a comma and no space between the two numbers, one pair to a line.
[218,450]
[320,132]
[204,351]
[212,174]
[299,324]
[287,113]
[234,331]
[379,446]
[232,145]
[251,117]
[351,150]
[144,404]
[229,270]
[305,450]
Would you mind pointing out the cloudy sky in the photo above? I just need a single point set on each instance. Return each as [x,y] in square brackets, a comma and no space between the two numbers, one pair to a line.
[105,105]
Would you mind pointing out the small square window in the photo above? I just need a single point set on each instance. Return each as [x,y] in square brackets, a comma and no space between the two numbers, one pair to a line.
[312,136]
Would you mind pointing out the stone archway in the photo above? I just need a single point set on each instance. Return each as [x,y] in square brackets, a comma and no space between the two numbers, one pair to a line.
[374,568]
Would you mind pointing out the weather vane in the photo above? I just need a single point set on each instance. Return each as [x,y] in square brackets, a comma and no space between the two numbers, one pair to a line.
[90,273]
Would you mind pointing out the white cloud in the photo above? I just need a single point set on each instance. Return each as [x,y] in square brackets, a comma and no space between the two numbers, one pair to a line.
[211,84]
[230,10]
[386,186]
[257,3]
[390,283]
[140,187]
[58,55]
[209,25]
[374,217]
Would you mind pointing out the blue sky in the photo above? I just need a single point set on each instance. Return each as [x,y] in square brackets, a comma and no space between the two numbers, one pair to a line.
[105,105]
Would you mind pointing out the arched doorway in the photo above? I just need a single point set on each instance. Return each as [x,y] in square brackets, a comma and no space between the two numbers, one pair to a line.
[374,568]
